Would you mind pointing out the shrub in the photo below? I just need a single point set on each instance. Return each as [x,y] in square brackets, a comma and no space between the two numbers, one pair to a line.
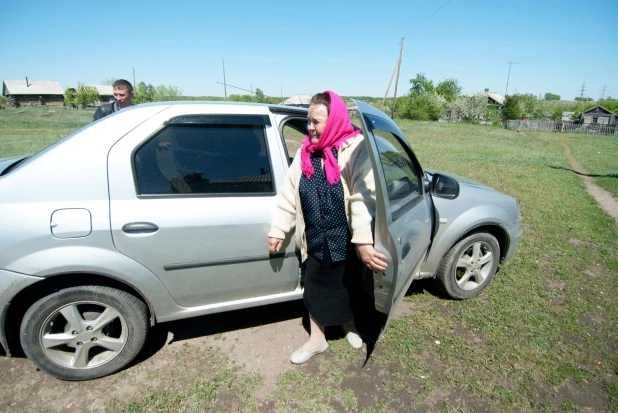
[85,95]
[470,109]
[423,106]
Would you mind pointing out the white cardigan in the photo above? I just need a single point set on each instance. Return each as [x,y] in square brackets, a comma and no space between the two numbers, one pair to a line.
[358,190]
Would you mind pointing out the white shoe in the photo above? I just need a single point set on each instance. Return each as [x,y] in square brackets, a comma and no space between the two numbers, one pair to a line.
[301,356]
[354,340]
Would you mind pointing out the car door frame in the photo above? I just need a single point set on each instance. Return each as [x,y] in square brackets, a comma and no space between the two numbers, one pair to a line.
[391,285]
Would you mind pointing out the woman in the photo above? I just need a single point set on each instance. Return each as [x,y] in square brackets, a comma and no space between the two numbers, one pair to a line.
[328,196]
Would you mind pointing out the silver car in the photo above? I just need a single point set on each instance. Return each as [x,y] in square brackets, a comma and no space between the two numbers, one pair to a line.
[161,212]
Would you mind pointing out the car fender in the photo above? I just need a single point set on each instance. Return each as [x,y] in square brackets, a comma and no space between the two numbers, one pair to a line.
[450,231]
[100,261]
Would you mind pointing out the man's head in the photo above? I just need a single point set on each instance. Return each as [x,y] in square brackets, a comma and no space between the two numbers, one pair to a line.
[123,92]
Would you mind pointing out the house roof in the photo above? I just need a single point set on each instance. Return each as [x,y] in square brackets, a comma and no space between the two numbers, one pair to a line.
[495,97]
[103,90]
[599,108]
[297,100]
[34,87]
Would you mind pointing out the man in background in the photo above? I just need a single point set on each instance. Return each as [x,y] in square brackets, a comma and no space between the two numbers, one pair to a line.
[123,93]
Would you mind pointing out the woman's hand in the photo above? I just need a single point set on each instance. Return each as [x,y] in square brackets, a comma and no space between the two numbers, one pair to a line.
[375,261]
[274,245]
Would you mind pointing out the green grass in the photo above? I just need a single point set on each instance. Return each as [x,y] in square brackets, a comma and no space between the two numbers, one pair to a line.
[597,154]
[543,331]
[28,130]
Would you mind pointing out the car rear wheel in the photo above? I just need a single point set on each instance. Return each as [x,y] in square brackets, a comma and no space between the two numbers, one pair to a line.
[469,266]
[82,333]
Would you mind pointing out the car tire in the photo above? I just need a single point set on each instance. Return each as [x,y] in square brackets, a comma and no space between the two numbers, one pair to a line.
[469,266]
[83,333]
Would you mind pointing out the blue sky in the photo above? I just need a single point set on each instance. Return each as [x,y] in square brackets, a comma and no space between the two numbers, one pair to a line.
[289,47]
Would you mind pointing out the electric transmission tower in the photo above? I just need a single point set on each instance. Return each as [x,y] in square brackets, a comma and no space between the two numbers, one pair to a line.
[582,90]
[603,91]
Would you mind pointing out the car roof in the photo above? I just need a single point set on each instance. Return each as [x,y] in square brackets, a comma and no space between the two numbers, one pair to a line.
[272,107]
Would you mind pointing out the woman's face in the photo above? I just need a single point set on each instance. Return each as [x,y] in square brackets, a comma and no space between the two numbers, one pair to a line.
[316,121]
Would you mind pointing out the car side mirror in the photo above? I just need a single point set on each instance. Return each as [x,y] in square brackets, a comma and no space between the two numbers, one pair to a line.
[444,187]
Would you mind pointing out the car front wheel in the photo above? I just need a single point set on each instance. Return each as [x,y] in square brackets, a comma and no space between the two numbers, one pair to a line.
[469,266]
[82,333]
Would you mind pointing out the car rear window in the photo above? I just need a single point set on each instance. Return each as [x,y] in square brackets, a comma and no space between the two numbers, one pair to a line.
[204,159]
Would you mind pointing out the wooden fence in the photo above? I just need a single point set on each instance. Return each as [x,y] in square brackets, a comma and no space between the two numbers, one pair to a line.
[553,126]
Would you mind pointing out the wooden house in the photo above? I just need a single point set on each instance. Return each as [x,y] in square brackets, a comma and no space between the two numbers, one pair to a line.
[32,93]
[598,115]
[302,100]
[494,98]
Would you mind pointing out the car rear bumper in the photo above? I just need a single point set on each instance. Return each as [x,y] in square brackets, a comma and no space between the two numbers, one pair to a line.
[515,231]
[11,283]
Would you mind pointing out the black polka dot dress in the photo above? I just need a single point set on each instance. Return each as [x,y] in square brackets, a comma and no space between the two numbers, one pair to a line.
[331,255]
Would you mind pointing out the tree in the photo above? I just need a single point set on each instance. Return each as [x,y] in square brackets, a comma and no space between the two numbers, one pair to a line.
[69,98]
[532,107]
[525,105]
[259,95]
[424,106]
[511,109]
[165,93]
[449,89]
[470,109]
[420,85]
[583,99]
[143,93]
[551,96]
[555,113]
[108,81]
[240,98]
[85,95]
[609,103]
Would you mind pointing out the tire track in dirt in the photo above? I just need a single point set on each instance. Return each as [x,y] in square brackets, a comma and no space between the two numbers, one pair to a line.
[603,197]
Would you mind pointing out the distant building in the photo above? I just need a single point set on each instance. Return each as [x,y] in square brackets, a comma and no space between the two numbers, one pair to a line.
[598,115]
[297,100]
[106,93]
[32,93]
[566,116]
[494,98]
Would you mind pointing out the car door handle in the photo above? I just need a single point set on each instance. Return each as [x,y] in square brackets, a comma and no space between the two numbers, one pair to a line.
[140,228]
[405,250]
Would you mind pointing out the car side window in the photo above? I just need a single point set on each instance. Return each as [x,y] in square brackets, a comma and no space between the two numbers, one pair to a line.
[402,173]
[293,132]
[193,159]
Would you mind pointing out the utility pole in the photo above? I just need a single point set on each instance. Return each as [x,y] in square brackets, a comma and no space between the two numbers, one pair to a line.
[134,84]
[224,82]
[389,83]
[397,80]
[507,78]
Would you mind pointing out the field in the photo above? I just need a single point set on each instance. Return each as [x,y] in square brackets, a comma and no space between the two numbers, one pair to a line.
[542,337]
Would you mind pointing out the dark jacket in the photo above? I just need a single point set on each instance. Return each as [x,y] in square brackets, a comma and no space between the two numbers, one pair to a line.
[105,110]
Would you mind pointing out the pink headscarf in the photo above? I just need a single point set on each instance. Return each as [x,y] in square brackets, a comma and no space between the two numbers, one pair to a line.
[338,129]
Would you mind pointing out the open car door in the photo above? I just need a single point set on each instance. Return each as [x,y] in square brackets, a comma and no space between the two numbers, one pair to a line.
[404,214]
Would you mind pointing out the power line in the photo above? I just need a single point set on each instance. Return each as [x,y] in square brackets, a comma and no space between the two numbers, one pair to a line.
[432,14]
[246,90]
